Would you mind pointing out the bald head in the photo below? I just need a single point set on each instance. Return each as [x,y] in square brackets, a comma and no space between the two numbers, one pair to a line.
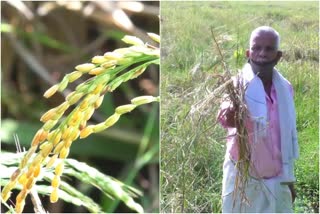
[265,30]
[264,51]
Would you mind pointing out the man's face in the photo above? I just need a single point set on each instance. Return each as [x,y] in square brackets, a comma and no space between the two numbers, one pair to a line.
[263,52]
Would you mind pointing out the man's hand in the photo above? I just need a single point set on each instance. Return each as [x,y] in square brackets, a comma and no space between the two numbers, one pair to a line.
[226,115]
[293,192]
[230,117]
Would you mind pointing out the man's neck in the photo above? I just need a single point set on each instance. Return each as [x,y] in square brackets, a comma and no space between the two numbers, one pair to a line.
[266,78]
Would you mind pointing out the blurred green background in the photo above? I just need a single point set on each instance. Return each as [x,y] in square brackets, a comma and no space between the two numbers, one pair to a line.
[40,43]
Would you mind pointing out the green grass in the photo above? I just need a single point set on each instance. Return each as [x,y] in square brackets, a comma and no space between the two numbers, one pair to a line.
[192,147]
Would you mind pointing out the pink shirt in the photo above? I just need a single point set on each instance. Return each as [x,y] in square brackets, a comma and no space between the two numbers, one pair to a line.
[266,159]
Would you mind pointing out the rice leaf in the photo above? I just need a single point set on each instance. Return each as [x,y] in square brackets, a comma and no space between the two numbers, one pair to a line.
[68,194]
[108,185]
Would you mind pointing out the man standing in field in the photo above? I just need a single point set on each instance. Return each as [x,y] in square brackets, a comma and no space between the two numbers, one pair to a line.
[271,127]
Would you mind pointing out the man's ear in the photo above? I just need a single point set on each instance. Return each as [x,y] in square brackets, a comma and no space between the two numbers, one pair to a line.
[279,55]
[247,53]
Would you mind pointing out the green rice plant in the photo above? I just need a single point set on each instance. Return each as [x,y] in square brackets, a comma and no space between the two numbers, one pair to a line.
[51,144]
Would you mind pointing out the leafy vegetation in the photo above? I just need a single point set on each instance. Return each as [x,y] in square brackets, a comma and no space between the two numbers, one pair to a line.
[192,144]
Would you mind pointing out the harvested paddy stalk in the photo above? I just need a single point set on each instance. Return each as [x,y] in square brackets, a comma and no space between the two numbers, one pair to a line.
[52,142]
[235,91]
[232,90]
[235,94]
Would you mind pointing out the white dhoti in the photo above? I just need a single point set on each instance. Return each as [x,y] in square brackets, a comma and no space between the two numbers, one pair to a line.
[264,196]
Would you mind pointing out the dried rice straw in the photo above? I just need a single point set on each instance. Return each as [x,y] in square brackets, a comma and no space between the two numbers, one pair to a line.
[235,94]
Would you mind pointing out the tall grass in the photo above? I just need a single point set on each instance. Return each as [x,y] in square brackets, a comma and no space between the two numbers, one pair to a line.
[193,145]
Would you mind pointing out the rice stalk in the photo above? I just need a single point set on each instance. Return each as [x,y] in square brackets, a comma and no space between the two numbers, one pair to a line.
[52,142]
[233,90]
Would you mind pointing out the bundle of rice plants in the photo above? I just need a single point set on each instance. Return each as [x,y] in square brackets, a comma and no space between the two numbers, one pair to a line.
[232,89]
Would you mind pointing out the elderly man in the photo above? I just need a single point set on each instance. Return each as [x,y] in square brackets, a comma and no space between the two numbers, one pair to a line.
[271,127]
